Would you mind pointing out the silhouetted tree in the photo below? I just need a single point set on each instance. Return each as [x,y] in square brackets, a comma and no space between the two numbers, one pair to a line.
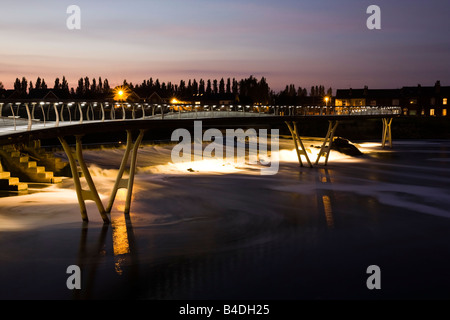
[215,87]
[65,84]
[87,86]
[194,87]
[106,87]
[38,83]
[208,87]
[201,87]
[94,86]
[100,85]
[17,85]
[57,84]
[235,88]
[80,88]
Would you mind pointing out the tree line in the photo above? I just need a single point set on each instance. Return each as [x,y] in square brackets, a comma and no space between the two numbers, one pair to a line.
[293,95]
[246,91]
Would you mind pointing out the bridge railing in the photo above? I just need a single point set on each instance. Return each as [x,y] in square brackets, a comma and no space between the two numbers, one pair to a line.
[24,116]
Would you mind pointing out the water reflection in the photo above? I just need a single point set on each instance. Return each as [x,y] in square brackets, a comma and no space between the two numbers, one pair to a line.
[121,245]
[89,257]
[328,212]
[177,262]
[115,246]
[327,200]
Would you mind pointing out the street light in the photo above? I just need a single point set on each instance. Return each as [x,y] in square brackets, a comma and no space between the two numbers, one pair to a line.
[121,93]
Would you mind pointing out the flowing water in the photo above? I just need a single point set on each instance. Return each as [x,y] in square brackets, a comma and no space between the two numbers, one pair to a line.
[212,230]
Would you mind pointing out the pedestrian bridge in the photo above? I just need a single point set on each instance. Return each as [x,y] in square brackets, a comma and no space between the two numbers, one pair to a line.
[22,122]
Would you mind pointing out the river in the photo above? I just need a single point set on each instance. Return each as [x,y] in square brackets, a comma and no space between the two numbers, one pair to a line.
[217,231]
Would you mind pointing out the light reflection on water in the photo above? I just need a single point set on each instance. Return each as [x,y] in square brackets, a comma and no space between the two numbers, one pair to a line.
[328,211]
[120,241]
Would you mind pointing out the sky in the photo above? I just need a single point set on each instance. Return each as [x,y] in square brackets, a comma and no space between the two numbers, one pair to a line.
[305,43]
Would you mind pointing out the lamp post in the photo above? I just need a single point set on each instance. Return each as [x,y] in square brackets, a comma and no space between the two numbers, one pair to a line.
[121,94]
[326,103]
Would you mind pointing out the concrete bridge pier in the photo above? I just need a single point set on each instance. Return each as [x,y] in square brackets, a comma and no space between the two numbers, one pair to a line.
[132,147]
[387,133]
[299,147]
[328,140]
[92,193]
[325,148]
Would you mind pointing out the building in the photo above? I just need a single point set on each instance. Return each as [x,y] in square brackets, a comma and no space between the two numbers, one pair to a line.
[428,101]
[366,97]
[425,101]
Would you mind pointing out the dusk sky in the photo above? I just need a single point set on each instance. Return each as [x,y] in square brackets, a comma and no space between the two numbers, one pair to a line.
[324,42]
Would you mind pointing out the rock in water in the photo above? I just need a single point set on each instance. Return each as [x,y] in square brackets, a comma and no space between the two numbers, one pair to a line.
[346,147]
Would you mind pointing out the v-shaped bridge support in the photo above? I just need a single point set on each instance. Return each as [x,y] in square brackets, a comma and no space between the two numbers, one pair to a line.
[328,140]
[91,193]
[298,143]
[387,134]
[324,150]
[326,146]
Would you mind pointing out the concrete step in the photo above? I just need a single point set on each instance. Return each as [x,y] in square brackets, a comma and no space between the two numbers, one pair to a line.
[57,179]
[20,187]
[14,154]
[12,180]
[28,169]
[12,184]
[5,175]
[45,175]
[23,159]
[29,164]
[36,169]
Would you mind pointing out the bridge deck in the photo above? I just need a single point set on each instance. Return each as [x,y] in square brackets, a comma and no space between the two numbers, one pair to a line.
[48,131]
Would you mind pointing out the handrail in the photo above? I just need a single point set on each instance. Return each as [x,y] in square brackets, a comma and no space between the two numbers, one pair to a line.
[128,111]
